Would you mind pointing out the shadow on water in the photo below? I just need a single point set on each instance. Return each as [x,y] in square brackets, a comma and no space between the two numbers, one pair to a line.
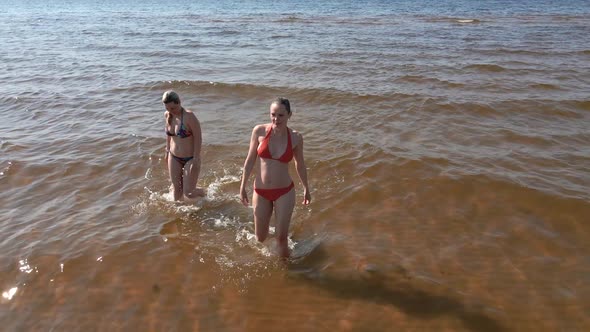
[393,286]
[170,229]
[410,295]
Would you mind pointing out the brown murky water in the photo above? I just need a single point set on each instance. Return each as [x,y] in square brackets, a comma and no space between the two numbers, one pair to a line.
[449,164]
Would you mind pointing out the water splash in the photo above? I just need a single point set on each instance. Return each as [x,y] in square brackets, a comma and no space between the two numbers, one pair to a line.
[214,190]
[6,169]
[24,266]
[9,294]
[166,200]
[223,221]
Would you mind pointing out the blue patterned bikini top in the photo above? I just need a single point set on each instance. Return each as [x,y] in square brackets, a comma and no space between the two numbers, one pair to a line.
[182,132]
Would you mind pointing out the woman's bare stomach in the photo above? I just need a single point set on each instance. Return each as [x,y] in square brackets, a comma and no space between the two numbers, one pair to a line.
[270,176]
[181,149]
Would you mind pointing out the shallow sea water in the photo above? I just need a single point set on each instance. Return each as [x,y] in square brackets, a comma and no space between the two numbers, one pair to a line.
[446,145]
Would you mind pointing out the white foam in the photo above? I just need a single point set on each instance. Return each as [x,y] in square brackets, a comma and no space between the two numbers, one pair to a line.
[245,235]
[222,221]
[222,260]
[187,208]
[6,169]
[214,188]
[9,294]
[24,266]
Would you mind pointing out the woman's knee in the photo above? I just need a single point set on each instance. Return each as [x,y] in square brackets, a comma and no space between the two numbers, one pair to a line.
[261,224]
[261,234]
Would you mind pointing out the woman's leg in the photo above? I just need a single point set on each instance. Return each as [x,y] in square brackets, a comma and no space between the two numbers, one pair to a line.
[262,212]
[283,211]
[190,177]
[175,170]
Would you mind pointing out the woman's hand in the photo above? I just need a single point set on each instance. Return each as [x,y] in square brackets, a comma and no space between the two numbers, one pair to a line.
[244,197]
[306,197]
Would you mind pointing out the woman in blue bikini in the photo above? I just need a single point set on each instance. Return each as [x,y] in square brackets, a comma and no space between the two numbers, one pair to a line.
[183,148]
[276,145]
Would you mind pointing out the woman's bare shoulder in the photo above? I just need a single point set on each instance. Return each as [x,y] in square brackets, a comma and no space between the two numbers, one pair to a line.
[260,129]
[190,113]
[296,136]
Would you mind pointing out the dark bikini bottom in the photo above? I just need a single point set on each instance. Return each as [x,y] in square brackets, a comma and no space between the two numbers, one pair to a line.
[181,160]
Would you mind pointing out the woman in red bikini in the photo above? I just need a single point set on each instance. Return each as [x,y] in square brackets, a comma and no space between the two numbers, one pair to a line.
[276,145]
[183,144]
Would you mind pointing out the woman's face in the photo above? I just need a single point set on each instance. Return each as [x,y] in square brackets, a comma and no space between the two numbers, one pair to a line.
[279,115]
[173,107]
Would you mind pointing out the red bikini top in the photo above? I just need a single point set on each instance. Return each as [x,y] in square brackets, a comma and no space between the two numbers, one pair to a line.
[264,152]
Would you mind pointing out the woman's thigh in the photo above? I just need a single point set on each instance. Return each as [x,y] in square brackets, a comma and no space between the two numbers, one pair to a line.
[284,206]
[191,174]
[175,171]
[262,213]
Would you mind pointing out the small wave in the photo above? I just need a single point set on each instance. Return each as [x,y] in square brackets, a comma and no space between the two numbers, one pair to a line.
[349,20]
[485,68]
[512,51]
[545,86]
[514,137]
[565,18]
[4,170]
[582,104]
[289,19]
[171,34]
[10,147]
[468,21]
[462,20]
[547,107]
[281,36]
[473,109]
[225,33]
[155,54]
[320,95]
[430,80]
[9,100]
[132,34]
[215,87]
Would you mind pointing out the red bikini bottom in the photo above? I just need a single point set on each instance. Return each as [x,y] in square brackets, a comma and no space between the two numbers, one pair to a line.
[275,193]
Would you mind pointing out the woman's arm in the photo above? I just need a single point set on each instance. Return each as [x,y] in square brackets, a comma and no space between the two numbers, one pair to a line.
[302,170]
[195,163]
[249,165]
[195,128]
[168,139]
[167,149]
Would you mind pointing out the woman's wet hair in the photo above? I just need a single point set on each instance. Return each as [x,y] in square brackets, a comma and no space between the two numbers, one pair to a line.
[170,97]
[283,101]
